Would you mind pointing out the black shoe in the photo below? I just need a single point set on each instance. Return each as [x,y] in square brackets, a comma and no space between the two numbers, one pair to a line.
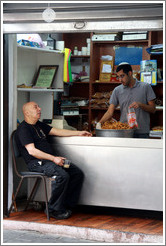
[69,211]
[60,215]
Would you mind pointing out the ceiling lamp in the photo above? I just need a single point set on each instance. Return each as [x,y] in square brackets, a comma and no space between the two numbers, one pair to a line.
[48,14]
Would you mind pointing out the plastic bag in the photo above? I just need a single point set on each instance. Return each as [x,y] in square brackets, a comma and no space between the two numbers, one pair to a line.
[35,39]
[131,117]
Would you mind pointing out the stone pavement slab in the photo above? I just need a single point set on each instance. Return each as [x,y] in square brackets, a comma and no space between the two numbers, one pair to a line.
[30,237]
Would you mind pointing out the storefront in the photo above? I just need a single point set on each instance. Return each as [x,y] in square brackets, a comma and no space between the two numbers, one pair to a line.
[91,19]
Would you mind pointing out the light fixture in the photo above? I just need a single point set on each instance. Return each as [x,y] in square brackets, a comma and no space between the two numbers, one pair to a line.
[48,14]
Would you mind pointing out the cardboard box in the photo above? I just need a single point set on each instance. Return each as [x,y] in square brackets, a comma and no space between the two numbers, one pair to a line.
[106,69]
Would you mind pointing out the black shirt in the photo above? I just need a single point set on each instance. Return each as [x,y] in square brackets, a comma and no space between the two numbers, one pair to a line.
[37,134]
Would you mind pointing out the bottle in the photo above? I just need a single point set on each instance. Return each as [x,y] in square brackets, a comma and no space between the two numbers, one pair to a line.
[51,42]
[83,73]
[75,51]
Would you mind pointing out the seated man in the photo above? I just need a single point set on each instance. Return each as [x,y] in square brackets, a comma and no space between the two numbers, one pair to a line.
[31,138]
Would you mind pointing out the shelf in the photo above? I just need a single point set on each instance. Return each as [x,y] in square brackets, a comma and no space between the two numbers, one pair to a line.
[121,41]
[118,108]
[104,47]
[81,82]
[93,108]
[80,56]
[84,107]
[110,82]
[76,115]
[159,82]
[155,54]
[39,90]
[159,108]
[114,82]
[28,48]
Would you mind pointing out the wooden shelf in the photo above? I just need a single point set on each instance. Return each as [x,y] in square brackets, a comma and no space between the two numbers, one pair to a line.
[99,48]
[116,82]
[72,56]
[159,82]
[110,82]
[76,115]
[158,108]
[93,108]
[156,54]
[81,82]
[84,107]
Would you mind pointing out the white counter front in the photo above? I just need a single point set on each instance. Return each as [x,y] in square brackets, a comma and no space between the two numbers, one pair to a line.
[119,172]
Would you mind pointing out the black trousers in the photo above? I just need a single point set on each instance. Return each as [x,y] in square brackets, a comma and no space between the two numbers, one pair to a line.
[66,186]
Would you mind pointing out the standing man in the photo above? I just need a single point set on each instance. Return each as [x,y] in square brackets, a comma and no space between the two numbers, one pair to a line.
[132,94]
[31,138]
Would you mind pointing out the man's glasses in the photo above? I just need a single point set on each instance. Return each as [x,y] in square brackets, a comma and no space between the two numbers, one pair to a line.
[120,77]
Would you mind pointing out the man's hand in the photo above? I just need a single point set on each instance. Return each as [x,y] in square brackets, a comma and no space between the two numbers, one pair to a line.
[68,133]
[134,105]
[84,133]
[98,125]
[58,160]
[150,107]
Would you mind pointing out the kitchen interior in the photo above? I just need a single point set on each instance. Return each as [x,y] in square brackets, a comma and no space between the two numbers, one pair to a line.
[78,96]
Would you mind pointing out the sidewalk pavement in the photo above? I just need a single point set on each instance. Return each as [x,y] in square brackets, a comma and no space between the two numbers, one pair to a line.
[31,237]
[30,232]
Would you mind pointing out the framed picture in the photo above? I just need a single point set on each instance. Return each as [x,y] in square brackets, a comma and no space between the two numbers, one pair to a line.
[45,76]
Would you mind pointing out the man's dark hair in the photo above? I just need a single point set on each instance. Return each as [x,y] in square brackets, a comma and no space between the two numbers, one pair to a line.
[126,68]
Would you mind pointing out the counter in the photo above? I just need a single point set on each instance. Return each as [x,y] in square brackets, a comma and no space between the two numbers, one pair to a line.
[119,172]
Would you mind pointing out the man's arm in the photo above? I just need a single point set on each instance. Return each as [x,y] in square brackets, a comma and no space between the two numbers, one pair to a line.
[150,107]
[32,150]
[108,115]
[68,133]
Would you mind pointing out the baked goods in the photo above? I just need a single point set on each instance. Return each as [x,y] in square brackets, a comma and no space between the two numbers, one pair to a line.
[109,124]
[99,95]
[157,128]
[100,99]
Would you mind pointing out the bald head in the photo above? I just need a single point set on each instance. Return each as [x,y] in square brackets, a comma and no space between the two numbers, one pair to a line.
[32,112]
[27,106]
